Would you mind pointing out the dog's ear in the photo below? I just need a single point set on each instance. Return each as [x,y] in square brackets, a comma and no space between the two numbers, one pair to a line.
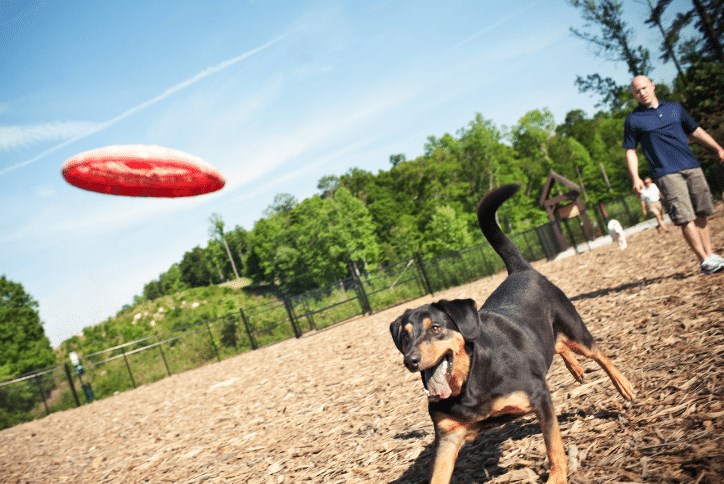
[464,314]
[396,329]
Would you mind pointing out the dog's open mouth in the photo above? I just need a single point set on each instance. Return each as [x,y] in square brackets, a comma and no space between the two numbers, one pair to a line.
[437,379]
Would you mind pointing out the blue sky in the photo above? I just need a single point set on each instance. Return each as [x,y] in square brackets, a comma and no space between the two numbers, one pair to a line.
[274,94]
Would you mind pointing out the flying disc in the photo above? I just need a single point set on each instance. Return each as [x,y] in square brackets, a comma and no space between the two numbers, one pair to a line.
[142,171]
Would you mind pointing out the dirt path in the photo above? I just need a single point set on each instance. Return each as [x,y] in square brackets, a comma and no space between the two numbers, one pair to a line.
[338,406]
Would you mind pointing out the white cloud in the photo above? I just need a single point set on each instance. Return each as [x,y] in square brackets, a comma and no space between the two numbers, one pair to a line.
[20,136]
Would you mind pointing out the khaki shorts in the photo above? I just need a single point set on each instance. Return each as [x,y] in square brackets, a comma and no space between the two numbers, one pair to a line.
[686,195]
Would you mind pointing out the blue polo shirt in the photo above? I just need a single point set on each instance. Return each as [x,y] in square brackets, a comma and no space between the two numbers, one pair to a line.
[664,136]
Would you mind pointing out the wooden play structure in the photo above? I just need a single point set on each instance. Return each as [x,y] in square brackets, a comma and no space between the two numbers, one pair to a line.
[567,205]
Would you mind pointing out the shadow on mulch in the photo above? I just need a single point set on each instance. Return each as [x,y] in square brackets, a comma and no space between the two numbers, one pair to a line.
[630,285]
[478,460]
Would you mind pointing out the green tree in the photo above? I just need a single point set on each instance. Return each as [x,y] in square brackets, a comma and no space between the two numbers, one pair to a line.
[710,24]
[397,159]
[531,138]
[611,38]
[704,95]
[216,231]
[23,348]
[152,290]
[171,281]
[670,35]
[194,268]
[333,232]
[23,344]
[358,182]
[327,185]
[573,161]
[481,154]
[446,231]
[405,239]
[282,203]
[266,238]
[214,255]
[238,240]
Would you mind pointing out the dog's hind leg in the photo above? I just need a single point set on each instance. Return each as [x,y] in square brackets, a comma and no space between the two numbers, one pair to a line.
[571,362]
[571,332]
[621,383]
[552,437]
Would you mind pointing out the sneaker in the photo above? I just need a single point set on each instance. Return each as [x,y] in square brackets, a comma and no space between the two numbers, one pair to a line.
[712,264]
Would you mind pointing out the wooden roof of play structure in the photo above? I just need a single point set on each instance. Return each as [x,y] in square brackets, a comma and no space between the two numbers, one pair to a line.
[565,206]
[555,177]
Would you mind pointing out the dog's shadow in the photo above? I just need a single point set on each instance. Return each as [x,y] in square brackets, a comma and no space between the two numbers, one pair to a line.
[478,460]
[629,285]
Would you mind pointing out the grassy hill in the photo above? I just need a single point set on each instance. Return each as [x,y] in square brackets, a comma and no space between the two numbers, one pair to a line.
[165,315]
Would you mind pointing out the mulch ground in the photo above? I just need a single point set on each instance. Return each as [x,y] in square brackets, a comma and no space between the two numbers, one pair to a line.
[338,406]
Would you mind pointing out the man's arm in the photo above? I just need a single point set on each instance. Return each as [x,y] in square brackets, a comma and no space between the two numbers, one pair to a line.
[704,139]
[632,162]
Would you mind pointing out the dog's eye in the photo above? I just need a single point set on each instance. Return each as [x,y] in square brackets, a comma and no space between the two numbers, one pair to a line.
[435,328]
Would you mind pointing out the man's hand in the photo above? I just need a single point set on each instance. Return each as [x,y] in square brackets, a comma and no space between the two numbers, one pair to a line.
[632,163]
[638,185]
[704,139]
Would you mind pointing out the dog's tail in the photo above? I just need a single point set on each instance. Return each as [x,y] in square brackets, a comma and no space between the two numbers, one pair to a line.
[513,259]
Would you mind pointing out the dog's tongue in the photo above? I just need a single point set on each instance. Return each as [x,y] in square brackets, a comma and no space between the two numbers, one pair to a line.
[437,384]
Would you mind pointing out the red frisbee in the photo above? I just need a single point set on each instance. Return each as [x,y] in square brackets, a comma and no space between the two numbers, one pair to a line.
[142,171]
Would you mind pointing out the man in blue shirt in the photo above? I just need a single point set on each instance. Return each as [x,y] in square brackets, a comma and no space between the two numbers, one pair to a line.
[664,129]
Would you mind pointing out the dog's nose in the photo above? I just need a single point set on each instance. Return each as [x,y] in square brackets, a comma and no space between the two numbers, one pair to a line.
[412,361]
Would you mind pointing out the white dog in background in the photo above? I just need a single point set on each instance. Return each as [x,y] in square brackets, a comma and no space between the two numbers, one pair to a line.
[615,230]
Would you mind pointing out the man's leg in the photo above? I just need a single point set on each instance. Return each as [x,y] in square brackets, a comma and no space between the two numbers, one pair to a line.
[688,201]
[694,235]
[703,229]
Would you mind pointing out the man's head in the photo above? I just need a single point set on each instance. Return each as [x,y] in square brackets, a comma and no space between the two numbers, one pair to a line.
[644,91]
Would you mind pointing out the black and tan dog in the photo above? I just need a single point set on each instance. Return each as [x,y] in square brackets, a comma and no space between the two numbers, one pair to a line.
[487,367]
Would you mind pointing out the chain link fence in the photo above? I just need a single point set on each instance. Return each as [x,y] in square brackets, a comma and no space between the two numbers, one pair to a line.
[123,367]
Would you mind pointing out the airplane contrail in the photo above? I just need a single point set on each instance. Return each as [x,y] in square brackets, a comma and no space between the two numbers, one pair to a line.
[150,102]
[498,23]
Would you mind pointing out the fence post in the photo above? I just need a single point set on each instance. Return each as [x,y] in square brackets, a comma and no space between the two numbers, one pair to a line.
[359,289]
[421,268]
[71,384]
[292,318]
[42,395]
[308,315]
[163,357]
[249,333]
[213,343]
[128,367]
